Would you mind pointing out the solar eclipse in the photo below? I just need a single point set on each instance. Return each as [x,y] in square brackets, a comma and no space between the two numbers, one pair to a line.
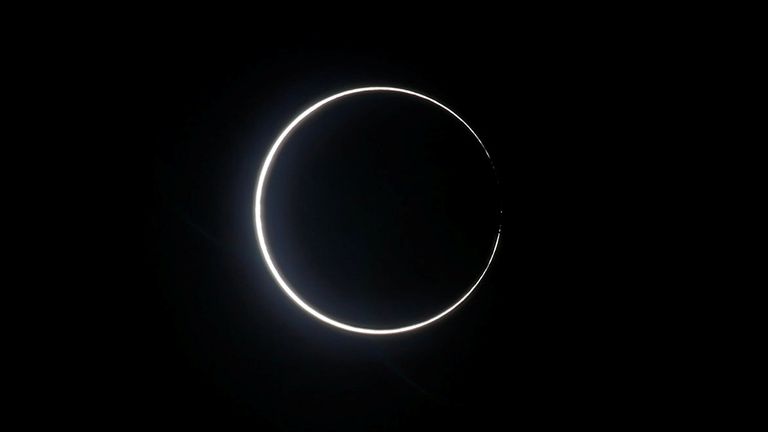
[290,291]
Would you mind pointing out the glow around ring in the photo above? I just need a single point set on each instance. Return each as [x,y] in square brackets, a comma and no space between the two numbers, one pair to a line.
[260,226]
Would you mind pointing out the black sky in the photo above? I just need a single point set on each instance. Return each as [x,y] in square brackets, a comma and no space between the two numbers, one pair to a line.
[381,212]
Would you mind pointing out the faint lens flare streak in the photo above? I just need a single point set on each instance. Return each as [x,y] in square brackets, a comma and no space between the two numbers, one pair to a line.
[260,226]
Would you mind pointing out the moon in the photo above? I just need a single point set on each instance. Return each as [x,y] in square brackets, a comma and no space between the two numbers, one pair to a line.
[261,236]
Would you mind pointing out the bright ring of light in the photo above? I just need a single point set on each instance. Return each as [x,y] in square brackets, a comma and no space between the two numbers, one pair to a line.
[260,226]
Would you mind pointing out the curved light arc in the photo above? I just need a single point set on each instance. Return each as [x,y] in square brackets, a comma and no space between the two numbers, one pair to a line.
[262,238]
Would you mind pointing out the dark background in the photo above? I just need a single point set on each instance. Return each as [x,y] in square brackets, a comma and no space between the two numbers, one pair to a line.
[184,325]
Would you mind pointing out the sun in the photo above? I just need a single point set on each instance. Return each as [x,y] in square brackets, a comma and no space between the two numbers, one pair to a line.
[260,234]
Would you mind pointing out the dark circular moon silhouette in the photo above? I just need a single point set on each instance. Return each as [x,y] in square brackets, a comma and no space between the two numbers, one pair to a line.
[268,255]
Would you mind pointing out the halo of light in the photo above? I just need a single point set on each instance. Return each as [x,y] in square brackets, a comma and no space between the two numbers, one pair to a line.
[260,225]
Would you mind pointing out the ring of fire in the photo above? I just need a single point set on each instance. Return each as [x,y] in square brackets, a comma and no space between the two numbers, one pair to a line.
[260,234]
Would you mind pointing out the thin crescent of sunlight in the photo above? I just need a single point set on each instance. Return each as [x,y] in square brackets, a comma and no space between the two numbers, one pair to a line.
[262,238]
